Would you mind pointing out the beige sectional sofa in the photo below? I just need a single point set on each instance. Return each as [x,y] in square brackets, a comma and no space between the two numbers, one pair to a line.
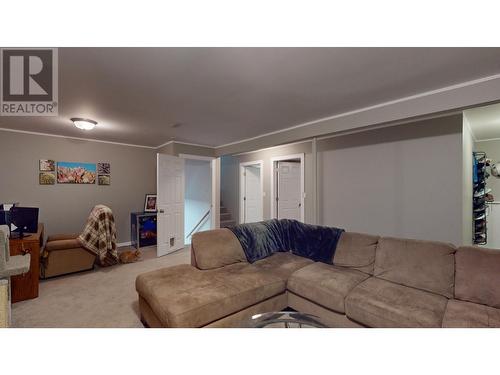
[374,282]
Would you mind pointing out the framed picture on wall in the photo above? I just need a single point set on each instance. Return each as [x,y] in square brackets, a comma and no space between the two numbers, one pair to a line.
[150,203]
[103,168]
[47,178]
[47,165]
[103,179]
[76,173]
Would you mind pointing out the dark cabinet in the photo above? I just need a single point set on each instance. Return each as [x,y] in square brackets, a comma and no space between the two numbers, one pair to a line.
[143,229]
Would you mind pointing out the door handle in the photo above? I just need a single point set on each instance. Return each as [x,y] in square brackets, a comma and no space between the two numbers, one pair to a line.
[161,211]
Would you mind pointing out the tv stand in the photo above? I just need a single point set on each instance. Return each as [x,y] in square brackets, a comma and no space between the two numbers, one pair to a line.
[17,235]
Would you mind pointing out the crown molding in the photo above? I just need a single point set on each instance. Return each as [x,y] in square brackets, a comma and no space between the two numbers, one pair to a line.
[183,143]
[76,138]
[100,140]
[274,147]
[488,140]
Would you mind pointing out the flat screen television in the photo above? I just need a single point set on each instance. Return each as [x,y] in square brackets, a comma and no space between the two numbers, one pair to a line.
[23,220]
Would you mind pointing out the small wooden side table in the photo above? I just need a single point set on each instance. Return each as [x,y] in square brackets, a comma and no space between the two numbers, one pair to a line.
[25,286]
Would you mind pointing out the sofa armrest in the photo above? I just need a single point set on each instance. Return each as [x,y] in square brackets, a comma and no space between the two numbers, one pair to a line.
[62,245]
[215,248]
[58,237]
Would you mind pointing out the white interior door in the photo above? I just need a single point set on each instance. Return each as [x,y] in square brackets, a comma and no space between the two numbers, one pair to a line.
[170,203]
[289,190]
[253,194]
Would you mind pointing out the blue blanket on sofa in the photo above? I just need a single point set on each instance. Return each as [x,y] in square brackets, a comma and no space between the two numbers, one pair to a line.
[262,239]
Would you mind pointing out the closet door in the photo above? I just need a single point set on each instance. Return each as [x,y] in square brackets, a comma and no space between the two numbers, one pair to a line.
[289,190]
[253,195]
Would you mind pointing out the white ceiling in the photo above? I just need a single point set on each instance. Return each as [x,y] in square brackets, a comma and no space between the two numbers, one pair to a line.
[223,95]
[484,122]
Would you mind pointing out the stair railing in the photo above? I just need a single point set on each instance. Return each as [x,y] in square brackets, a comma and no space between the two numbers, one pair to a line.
[199,222]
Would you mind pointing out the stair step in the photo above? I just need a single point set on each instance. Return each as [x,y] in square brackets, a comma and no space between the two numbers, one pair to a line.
[225,216]
[227,223]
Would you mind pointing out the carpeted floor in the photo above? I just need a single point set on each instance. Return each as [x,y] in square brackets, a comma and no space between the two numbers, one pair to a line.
[105,297]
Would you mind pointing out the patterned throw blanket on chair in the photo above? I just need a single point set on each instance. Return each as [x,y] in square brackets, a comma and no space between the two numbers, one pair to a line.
[99,235]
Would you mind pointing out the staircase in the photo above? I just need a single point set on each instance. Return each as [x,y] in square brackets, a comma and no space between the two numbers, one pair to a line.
[226,220]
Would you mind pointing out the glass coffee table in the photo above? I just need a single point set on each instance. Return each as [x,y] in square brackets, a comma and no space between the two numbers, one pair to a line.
[284,319]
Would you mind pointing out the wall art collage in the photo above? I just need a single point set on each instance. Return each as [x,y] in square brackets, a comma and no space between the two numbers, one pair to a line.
[62,172]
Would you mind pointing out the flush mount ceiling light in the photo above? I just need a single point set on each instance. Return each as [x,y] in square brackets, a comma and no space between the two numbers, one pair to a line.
[84,123]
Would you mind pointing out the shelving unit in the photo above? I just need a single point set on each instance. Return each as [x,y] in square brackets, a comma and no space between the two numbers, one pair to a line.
[479,206]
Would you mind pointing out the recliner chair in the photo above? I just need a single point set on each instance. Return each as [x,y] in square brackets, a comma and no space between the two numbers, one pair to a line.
[63,254]
[69,253]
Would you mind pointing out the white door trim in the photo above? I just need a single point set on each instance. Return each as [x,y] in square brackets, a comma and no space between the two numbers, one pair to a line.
[215,205]
[214,223]
[216,168]
[242,187]
[301,157]
[196,157]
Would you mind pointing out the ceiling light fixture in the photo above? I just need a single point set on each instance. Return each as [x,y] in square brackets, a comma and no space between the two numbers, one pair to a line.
[83,123]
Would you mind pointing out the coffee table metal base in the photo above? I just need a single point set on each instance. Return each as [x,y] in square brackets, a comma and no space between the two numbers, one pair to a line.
[284,319]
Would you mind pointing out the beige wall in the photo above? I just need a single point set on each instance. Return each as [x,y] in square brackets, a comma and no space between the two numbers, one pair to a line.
[64,208]
[403,181]
[167,149]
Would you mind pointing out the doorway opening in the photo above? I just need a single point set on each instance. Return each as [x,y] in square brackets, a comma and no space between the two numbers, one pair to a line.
[198,195]
[481,176]
[187,190]
[288,187]
[251,192]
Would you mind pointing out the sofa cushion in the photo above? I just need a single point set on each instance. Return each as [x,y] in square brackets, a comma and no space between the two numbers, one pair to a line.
[460,314]
[426,265]
[478,275]
[357,251]
[282,265]
[324,284]
[380,303]
[216,248]
[184,296]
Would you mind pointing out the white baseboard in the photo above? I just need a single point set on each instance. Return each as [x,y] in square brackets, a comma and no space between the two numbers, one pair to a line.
[123,244]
